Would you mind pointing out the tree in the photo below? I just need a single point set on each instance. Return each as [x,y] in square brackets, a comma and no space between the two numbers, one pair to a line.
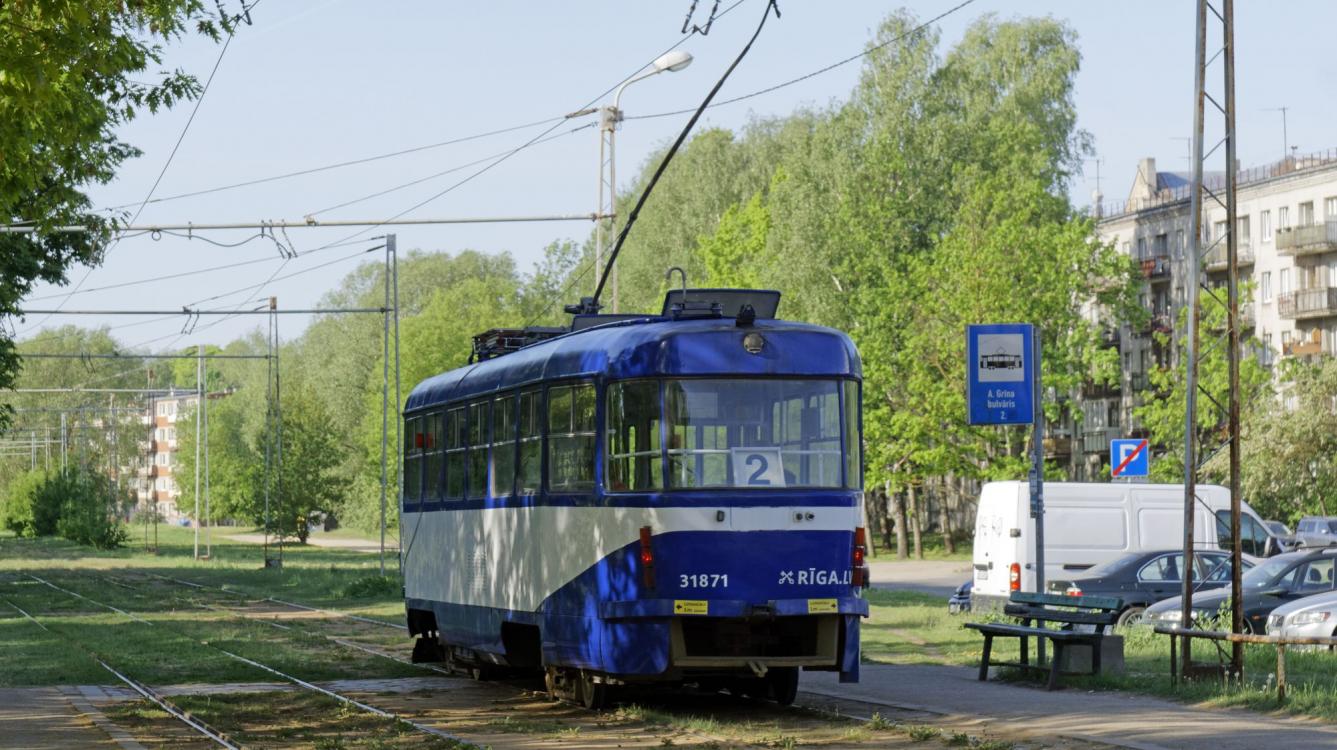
[1287,467]
[72,77]
[1164,406]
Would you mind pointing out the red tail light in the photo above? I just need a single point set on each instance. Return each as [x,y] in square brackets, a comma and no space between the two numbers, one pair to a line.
[860,569]
[647,559]
[1014,577]
[1073,591]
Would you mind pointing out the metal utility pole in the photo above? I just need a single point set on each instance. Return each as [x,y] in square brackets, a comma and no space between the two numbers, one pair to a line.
[208,516]
[609,117]
[1226,107]
[391,244]
[199,405]
[385,396]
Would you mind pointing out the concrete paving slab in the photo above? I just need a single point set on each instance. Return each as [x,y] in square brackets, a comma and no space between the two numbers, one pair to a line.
[42,718]
[1119,719]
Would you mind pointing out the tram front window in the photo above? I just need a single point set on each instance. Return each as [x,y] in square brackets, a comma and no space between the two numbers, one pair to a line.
[755,433]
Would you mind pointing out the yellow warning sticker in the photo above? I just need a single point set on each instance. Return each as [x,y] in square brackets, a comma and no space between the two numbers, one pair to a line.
[692,607]
[820,606]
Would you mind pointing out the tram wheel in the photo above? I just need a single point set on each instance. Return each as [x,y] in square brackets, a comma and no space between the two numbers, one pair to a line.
[783,684]
[593,695]
[550,682]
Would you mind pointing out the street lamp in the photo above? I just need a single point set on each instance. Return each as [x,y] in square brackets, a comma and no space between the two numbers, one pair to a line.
[609,117]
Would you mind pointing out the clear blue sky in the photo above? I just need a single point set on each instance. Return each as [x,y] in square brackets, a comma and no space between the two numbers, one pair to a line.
[313,83]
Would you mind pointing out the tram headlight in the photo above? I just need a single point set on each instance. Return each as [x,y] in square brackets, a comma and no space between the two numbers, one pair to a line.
[753,343]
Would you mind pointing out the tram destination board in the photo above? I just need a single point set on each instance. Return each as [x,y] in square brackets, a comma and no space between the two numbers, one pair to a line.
[1000,373]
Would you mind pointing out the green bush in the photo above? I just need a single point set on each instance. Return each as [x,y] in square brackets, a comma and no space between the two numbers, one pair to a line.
[79,505]
[26,511]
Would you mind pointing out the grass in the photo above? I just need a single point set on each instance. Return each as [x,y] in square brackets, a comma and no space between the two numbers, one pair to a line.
[170,649]
[286,719]
[913,628]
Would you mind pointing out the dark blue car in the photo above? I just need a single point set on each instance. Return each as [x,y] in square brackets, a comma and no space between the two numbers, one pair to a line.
[1141,579]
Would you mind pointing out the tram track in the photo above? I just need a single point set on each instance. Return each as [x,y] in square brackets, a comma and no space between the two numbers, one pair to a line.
[148,693]
[344,700]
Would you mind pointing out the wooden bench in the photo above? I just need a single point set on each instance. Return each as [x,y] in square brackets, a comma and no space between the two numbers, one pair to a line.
[1068,612]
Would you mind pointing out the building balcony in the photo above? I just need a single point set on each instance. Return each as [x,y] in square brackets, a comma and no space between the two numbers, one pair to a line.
[1058,446]
[1158,322]
[1309,346]
[1308,240]
[1320,302]
[1092,391]
[1216,257]
[1109,338]
[1098,441]
[1156,268]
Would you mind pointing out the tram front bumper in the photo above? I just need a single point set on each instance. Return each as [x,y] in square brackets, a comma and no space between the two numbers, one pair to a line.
[640,609]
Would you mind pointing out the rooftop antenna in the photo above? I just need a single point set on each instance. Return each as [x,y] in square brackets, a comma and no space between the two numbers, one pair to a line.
[1188,146]
[1285,137]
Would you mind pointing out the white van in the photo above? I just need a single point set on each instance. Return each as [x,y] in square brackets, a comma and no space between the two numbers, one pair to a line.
[1088,524]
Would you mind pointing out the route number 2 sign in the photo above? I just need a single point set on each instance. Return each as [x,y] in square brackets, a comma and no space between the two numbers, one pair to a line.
[757,467]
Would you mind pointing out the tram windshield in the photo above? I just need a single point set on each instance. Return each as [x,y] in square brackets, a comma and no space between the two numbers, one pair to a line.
[755,433]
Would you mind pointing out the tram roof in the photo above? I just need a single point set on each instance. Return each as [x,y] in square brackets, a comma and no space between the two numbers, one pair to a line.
[652,347]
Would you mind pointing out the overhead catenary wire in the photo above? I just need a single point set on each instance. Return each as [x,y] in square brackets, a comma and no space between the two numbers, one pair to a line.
[815,73]
[593,304]
[246,9]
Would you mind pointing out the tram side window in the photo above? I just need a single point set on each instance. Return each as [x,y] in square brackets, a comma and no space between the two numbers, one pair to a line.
[431,483]
[853,439]
[635,460]
[530,472]
[412,459]
[457,437]
[478,450]
[503,446]
[571,436]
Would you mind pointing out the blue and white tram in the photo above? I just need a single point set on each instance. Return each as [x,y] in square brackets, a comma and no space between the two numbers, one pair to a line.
[671,498]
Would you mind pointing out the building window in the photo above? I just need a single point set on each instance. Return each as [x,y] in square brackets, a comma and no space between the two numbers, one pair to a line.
[1284,217]
[1265,286]
[1160,245]
[1330,208]
[1284,287]
[1179,245]
[1267,349]
[1306,213]
[1242,223]
[1141,248]
[1265,225]
[1127,248]
[164,459]
[171,433]
[162,408]
[1219,229]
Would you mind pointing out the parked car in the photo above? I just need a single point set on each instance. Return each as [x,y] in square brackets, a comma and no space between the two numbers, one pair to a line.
[1272,583]
[1141,579]
[1311,616]
[1316,531]
[1282,533]
[960,601]
[1087,524]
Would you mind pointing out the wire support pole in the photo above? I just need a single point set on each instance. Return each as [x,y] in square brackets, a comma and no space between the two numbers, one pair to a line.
[385,398]
[1233,353]
[199,406]
[1191,339]
[306,223]
[392,245]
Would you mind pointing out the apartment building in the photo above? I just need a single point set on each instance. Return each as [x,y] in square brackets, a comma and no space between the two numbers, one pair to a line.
[1286,215]
[166,413]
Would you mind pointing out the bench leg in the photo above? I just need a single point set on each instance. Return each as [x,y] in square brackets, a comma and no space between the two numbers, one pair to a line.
[1054,665]
[1096,648]
[1025,649]
[984,661]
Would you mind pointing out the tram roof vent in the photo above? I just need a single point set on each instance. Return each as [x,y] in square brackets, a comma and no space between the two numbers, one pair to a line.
[499,341]
[695,303]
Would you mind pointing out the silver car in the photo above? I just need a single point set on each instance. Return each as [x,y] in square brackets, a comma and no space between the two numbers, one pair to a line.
[1311,616]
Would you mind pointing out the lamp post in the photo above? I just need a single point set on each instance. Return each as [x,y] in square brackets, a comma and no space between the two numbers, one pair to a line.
[609,117]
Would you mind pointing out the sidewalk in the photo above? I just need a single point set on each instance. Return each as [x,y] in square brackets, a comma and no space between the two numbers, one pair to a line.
[41,718]
[319,540]
[1114,718]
